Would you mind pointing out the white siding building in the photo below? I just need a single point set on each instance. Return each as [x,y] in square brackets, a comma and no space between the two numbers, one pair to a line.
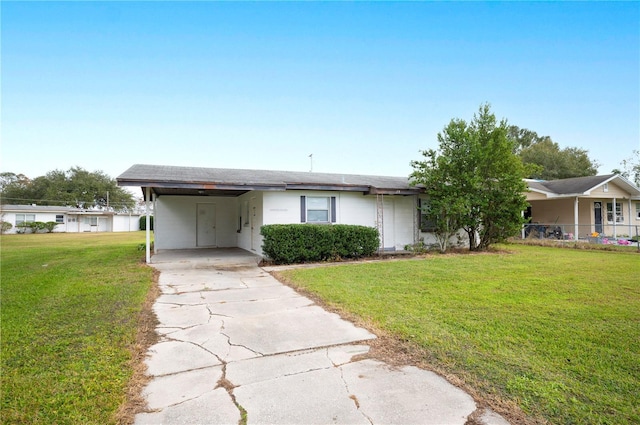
[69,219]
[212,207]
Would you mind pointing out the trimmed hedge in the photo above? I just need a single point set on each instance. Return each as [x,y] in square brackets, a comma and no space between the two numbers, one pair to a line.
[143,222]
[301,243]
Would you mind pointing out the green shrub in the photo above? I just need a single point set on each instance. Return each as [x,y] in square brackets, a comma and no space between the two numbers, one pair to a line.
[49,226]
[34,226]
[5,226]
[301,243]
[143,222]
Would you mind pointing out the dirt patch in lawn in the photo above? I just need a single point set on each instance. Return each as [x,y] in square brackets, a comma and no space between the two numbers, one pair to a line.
[145,338]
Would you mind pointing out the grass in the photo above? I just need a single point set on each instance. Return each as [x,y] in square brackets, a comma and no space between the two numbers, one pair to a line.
[555,331]
[69,309]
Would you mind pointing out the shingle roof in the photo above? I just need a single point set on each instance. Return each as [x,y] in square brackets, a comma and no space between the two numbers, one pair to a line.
[581,185]
[192,177]
[49,208]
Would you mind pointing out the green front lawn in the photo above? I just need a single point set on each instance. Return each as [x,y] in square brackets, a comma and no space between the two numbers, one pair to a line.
[69,308]
[557,331]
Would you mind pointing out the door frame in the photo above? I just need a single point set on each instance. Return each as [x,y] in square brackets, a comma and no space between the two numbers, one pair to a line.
[597,214]
[215,236]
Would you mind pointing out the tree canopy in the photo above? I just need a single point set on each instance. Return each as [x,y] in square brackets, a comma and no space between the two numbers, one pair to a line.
[544,159]
[75,187]
[474,181]
[630,168]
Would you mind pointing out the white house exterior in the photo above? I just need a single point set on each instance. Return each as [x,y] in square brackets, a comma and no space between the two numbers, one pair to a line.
[212,207]
[69,219]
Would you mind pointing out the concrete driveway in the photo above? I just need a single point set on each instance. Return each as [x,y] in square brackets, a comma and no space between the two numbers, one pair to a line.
[237,346]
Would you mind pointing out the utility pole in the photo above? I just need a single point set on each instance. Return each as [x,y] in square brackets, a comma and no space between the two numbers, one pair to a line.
[311,159]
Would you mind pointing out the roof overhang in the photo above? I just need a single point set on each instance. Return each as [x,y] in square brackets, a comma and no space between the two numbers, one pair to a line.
[177,188]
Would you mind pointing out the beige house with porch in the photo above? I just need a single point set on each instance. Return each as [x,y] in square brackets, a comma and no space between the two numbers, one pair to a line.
[577,208]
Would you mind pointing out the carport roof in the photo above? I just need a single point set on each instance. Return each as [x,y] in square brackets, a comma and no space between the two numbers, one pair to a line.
[174,180]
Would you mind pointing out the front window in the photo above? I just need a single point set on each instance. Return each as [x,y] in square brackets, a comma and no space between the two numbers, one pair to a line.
[637,210]
[59,218]
[426,225]
[25,218]
[619,215]
[318,209]
[93,221]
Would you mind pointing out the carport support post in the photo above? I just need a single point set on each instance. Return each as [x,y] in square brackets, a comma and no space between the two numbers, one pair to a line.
[148,221]
[575,219]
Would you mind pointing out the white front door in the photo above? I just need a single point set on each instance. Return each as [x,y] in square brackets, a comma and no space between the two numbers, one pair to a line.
[206,225]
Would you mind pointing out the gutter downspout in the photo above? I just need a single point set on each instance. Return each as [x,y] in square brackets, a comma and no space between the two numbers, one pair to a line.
[147,231]
[575,219]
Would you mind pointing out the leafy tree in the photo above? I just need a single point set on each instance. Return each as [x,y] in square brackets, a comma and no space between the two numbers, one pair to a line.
[75,187]
[474,180]
[631,168]
[543,158]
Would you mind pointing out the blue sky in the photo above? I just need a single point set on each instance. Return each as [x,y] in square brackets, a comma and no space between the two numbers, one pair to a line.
[362,86]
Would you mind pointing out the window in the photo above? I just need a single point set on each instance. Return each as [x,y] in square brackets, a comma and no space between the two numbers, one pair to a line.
[619,215]
[605,188]
[637,210]
[318,209]
[59,218]
[426,225]
[93,221]
[25,218]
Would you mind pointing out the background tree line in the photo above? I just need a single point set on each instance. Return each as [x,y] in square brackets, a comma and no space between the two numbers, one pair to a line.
[75,187]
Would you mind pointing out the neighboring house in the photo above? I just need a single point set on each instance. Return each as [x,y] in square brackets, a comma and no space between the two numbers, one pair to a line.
[579,207]
[213,207]
[72,220]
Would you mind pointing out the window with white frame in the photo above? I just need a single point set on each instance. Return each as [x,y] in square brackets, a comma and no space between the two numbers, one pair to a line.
[59,218]
[619,214]
[25,218]
[637,210]
[318,209]
[93,221]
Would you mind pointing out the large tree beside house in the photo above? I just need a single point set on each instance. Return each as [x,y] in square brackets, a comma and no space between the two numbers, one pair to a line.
[544,159]
[75,187]
[474,181]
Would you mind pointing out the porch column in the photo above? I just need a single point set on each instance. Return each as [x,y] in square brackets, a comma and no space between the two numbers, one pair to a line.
[630,220]
[148,231]
[576,228]
[615,219]
[523,226]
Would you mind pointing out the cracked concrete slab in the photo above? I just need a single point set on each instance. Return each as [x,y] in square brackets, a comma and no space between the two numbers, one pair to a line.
[171,390]
[289,330]
[315,397]
[169,357]
[275,354]
[424,397]
[213,407]
[181,316]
